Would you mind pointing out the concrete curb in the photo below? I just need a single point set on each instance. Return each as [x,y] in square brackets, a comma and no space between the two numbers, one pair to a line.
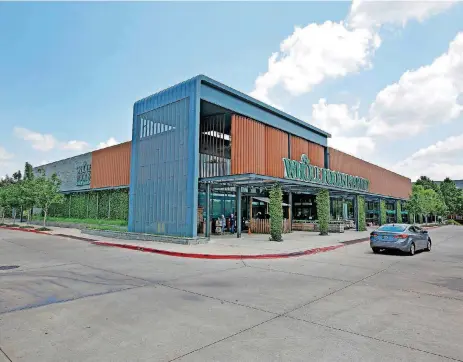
[219,256]
[26,230]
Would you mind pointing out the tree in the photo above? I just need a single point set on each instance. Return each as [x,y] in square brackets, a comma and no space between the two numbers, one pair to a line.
[323,210]
[26,195]
[13,198]
[17,176]
[427,183]
[415,202]
[47,193]
[429,201]
[28,172]
[4,202]
[276,213]
[450,194]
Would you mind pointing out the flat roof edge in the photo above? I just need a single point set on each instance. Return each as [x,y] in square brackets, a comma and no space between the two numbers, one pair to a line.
[231,91]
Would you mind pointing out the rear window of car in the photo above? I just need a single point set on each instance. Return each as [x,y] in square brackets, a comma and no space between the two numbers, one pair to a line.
[392,228]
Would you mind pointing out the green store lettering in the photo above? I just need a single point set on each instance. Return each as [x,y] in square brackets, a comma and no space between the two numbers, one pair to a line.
[84,174]
[304,171]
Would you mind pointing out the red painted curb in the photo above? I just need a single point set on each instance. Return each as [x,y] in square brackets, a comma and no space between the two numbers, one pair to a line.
[26,230]
[218,256]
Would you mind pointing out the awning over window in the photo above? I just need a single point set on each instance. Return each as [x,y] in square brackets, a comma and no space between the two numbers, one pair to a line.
[267,200]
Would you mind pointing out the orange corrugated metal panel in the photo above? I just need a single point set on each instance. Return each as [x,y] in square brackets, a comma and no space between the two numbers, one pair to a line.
[111,166]
[276,147]
[316,153]
[382,181]
[247,146]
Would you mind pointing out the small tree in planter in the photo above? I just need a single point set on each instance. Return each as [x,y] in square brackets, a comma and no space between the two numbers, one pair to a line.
[47,193]
[276,213]
[323,210]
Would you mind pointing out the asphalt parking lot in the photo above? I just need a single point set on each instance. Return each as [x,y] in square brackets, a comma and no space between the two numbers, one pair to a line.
[68,300]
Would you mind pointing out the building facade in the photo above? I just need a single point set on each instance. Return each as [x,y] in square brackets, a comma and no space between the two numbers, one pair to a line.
[201,149]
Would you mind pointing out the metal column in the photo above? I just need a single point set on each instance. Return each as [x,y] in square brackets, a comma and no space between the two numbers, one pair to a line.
[208,206]
[290,213]
[356,213]
[238,212]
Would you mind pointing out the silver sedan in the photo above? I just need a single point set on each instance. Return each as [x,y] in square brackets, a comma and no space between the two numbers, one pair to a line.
[403,237]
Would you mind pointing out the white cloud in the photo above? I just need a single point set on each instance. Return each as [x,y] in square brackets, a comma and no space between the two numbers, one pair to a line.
[367,14]
[331,50]
[336,118]
[110,142]
[421,98]
[74,145]
[47,142]
[436,161]
[314,53]
[5,155]
[41,142]
[360,147]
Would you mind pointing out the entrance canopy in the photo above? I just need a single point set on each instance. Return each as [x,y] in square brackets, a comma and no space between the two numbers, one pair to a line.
[250,180]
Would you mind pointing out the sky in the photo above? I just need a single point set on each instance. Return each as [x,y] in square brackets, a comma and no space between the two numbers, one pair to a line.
[384,78]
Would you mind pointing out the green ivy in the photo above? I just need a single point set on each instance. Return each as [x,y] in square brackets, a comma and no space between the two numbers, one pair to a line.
[361,214]
[382,212]
[323,210]
[276,213]
[112,204]
[399,212]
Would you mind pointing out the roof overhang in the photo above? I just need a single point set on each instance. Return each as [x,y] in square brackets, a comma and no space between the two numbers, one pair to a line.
[261,181]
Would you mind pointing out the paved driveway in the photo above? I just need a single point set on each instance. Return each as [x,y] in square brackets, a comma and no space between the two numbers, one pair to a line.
[72,301]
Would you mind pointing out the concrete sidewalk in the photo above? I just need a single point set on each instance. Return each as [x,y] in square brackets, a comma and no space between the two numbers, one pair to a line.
[247,245]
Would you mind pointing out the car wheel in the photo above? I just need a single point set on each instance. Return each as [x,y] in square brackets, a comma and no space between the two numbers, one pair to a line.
[375,250]
[412,249]
[428,247]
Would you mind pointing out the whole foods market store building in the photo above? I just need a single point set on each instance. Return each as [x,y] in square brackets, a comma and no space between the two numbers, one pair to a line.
[201,149]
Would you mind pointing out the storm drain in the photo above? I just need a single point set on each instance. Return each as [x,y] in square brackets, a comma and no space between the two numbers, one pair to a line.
[8,267]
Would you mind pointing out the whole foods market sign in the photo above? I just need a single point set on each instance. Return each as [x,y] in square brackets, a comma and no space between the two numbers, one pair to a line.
[304,171]
[84,174]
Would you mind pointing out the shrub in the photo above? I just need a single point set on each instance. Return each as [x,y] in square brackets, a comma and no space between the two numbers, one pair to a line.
[452,222]
[276,213]
[323,210]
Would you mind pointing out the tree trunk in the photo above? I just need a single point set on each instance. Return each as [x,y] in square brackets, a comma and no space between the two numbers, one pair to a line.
[44,218]
[14,216]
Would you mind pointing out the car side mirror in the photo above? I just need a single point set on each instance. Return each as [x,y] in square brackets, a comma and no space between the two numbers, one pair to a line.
[424,231]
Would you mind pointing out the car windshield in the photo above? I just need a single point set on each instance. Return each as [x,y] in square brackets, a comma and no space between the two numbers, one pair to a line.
[392,228]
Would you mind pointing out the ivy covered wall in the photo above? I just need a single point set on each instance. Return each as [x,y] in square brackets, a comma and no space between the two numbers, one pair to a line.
[106,204]
[361,213]
[382,212]
[323,210]
[399,212]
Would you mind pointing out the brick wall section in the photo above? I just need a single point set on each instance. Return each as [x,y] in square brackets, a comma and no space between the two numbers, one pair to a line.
[111,166]
[382,181]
